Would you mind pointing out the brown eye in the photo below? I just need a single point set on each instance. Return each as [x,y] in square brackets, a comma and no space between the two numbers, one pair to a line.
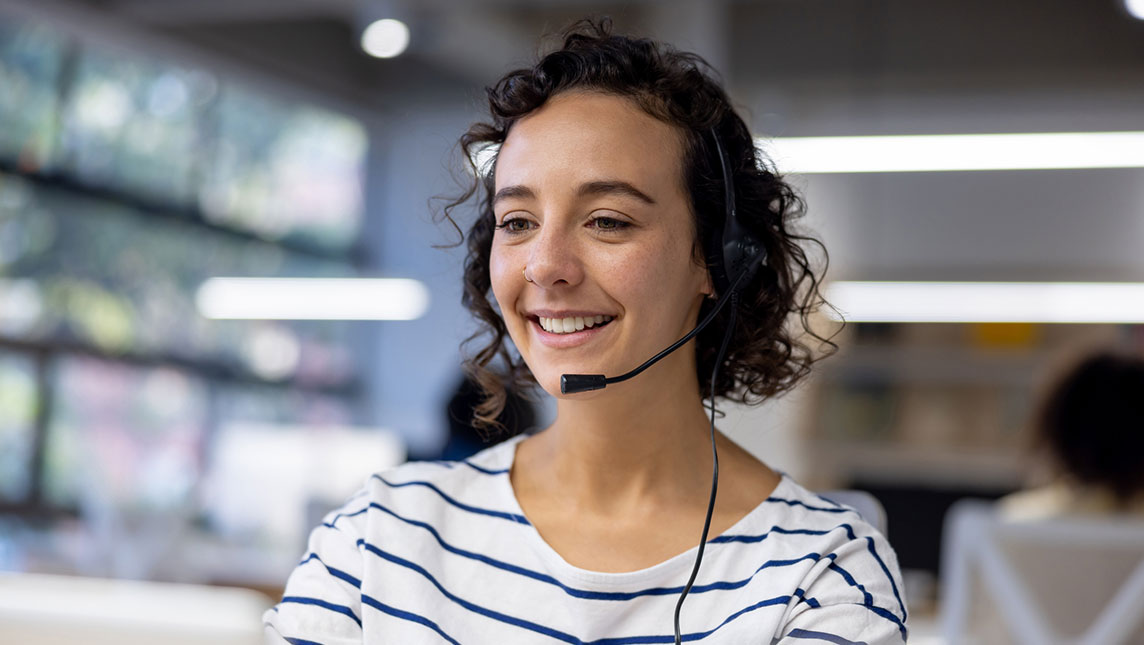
[609,224]
[515,225]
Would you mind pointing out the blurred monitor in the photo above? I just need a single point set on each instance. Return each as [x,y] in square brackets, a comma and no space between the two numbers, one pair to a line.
[18,399]
[248,403]
[133,124]
[31,57]
[103,275]
[122,437]
[285,172]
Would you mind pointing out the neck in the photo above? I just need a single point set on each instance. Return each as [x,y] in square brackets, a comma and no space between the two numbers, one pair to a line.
[639,441]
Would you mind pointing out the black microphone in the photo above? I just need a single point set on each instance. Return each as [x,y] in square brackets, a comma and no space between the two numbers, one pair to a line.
[573,383]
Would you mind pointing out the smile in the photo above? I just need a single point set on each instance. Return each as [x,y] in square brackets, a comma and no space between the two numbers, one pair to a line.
[571,325]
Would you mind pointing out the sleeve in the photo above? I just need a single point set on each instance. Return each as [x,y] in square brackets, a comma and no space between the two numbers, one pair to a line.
[853,596]
[322,599]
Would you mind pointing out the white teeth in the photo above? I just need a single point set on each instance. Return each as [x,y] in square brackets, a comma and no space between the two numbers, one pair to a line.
[573,324]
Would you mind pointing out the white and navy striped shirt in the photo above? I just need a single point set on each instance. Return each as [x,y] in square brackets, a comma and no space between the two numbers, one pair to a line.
[440,552]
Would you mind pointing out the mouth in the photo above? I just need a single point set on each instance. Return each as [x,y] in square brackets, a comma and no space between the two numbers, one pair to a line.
[572,324]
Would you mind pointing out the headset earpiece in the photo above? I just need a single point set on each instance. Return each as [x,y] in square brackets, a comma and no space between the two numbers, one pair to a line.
[731,248]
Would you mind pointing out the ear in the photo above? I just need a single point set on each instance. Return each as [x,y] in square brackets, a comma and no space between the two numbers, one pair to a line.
[707,289]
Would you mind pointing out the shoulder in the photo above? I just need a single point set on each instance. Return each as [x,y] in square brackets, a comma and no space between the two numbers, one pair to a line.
[837,532]
[818,514]
[493,461]
[856,579]
[448,485]
[442,476]
[1064,498]
[1037,503]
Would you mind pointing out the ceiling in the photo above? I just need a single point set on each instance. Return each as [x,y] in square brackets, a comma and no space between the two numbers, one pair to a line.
[461,45]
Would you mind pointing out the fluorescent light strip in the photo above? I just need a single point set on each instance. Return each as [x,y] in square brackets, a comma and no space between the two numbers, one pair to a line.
[312,299]
[951,152]
[939,152]
[1038,302]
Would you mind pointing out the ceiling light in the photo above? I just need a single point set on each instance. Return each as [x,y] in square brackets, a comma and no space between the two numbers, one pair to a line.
[951,152]
[1135,8]
[385,38]
[943,302]
[312,299]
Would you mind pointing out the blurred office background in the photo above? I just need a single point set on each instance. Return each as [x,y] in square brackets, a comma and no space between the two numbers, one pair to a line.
[147,146]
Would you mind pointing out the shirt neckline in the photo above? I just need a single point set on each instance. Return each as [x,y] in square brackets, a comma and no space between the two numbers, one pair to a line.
[566,570]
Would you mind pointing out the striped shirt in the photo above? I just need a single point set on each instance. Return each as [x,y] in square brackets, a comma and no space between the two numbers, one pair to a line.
[440,552]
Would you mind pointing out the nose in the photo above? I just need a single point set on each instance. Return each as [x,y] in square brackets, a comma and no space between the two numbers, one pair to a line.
[554,259]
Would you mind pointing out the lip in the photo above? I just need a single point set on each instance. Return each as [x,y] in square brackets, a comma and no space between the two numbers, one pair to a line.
[562,341]
[565,313]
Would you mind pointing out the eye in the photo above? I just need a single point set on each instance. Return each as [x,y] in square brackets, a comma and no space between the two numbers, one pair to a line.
[514,225]
[603,223]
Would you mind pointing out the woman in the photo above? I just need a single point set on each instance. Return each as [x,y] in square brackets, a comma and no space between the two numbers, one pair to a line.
[607,186]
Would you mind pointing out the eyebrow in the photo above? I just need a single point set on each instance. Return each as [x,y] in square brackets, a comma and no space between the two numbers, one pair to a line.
[613,187]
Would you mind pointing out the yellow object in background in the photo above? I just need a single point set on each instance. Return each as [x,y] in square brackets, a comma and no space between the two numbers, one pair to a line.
[992,335]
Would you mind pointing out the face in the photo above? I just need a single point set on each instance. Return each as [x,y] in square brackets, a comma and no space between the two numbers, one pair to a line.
[590,206]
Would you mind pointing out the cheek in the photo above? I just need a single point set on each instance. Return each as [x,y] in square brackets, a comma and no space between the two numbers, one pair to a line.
[502,279]
[654,269]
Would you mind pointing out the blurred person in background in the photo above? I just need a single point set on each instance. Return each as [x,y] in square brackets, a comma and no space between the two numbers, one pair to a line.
[1075,563]
[1091,428]
[619,162]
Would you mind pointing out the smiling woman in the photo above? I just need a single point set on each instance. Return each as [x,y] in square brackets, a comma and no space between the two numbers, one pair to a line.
[599,242]
[590,202]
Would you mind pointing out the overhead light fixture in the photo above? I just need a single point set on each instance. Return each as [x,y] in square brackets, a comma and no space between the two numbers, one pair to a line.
[312,299]
[937,152]
[1135,8]
[385,38]
[955,152]
[962,302]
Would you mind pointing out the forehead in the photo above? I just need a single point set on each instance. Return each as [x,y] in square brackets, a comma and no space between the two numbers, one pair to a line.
[590,136]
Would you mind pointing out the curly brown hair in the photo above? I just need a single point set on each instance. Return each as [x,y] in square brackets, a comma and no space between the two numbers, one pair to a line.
[767,356]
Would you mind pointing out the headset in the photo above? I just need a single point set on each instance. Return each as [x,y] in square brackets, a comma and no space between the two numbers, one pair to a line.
[734,256]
